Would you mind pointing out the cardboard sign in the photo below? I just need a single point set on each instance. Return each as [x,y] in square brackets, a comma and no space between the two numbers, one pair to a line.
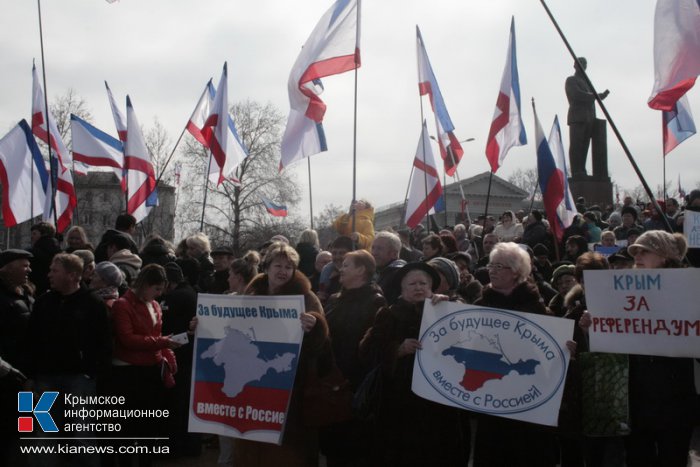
[498,362]
[246,353]
[691,228]
[644,311]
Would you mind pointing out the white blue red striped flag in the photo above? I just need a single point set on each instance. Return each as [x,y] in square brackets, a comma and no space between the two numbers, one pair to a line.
[678,124]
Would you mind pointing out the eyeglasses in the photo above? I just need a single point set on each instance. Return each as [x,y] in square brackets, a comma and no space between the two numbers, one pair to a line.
[496,266]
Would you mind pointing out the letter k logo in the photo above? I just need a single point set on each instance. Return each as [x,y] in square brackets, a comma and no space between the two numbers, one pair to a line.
[25,403]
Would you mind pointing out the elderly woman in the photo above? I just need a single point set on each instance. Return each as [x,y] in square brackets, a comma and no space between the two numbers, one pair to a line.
[300,445]
[663,404]
[106,281]
[410,430]
[500,441]
[350,313]
[199,248]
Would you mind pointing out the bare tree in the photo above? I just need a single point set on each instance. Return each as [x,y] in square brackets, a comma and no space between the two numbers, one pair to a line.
[324,223]
[526,179]
[234,211]
[64,105]
[159,145]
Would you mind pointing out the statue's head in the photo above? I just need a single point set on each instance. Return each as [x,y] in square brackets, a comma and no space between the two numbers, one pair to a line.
[582,61]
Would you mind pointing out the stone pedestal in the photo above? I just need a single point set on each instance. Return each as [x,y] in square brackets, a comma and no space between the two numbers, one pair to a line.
[596,190]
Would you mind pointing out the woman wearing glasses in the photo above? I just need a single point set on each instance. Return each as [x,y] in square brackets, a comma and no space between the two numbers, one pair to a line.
[501,441]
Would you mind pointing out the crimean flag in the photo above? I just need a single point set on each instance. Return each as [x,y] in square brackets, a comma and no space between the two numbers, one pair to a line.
[141,175]
[677,125]
[224,142]
[450,149]
[676,51]
[277,210]
[551,178]
[119,120]
[425,190]
[507,129]
[196,124]
[332,48]
[39,113]
[19,158]
[566,212]
[93,147]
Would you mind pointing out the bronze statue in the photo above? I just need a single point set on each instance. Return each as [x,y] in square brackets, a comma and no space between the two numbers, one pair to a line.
[584,127]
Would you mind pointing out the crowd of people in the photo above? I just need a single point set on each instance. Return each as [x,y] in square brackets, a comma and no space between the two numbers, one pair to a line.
[88,320]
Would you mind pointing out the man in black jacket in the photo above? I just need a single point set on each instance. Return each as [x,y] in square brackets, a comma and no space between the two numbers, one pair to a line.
[68,341]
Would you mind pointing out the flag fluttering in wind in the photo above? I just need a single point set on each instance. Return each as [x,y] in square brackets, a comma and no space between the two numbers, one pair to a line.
[551,178]
[450,149]
[507,129]
[678,124]
[681,191]
[119,120]
[332,48]
[277,210]
[39,124]
[94,147]
[676,51]
[425,190]
[196,125]
[566,211]
[141,176]
[224,143]
[19,157]
[66,200]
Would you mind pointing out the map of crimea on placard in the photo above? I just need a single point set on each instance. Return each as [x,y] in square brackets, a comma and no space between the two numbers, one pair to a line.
[240,357]
[487,363]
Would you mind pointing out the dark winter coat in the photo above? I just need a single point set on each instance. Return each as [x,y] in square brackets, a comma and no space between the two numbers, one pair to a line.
[534,233]
[501,441]
[307,258]
[43,250]
[114,237]
[411,430]
[300,444]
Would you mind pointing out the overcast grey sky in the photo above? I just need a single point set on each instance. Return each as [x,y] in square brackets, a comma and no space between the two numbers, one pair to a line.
[162,52]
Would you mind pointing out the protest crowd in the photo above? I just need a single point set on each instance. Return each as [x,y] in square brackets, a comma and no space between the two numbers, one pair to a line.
[101,320]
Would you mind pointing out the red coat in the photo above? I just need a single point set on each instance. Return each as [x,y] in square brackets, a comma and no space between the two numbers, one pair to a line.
[136,339]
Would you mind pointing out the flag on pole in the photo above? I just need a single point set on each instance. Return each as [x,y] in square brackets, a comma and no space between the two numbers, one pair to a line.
[566,211]
[277,210]
[119,120]
[66,200]
[94,147]
[196,125]
[678,124]
[676,51]
[141,176]
[19,157]
[550,177]
[224,143]
[39,113]
[425,190]
[332,48]
[681,191]
[507,129]
[450,149]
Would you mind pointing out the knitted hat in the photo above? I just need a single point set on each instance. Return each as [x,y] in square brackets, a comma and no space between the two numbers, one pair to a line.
[447,268]
[110,274]
[126,257]
[664,244]
[567,269]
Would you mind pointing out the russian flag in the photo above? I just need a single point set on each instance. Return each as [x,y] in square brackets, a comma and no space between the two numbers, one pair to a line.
[507,129]
[425,190]
[277,210]
[19,157]
[566,211]
[678,124]
[551,178]
[676,51]
[94,147]
[450,149]
[332,48]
